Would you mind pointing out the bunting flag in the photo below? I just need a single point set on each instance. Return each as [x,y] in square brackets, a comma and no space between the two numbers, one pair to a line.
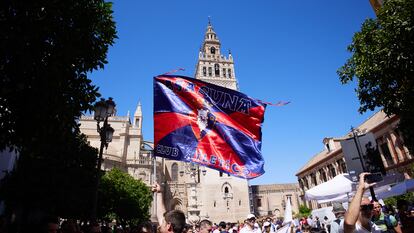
[210,125]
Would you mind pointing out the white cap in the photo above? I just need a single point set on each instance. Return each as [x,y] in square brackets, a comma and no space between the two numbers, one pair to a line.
[266,224]
[249,216]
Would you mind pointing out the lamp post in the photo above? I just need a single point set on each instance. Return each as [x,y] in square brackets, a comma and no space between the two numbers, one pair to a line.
[102,110]
[153,179]
[193,171]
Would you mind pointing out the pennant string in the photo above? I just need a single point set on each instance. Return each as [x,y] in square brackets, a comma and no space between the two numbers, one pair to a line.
[174,71]
[278,104]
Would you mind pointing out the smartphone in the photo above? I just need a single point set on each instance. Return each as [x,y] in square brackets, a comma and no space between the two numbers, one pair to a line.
[373,178]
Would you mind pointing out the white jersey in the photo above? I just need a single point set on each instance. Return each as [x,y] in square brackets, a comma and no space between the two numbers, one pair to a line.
[247,229]
[361,229]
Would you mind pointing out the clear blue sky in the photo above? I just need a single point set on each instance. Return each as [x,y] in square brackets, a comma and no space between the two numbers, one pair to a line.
[283,50]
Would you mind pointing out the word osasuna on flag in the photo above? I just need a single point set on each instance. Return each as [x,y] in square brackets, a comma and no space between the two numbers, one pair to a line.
[202,123]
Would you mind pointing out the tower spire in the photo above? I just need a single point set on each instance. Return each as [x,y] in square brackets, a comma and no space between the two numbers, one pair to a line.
[212,66]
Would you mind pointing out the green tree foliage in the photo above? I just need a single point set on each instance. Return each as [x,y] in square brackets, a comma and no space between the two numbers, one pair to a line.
[47,49]
[383,62]
[304,211]
[124,198]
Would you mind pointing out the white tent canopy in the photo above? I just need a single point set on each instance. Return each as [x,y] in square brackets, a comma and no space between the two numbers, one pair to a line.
[341,188]
[340,185]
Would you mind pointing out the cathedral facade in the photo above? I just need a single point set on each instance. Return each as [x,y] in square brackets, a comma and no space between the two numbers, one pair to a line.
[200,192]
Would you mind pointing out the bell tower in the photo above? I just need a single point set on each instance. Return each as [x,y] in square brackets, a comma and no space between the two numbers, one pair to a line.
[212,66]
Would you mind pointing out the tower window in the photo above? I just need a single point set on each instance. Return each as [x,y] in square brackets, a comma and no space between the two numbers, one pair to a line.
[259,202]
[229,72]
[216,70]
[224,72]
[213,50]
[174,172]
[210,71]
[204,71]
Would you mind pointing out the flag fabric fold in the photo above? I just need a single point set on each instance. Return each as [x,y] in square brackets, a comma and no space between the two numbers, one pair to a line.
[210,125]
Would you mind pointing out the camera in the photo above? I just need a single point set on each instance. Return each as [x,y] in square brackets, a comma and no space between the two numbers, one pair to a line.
[373,178]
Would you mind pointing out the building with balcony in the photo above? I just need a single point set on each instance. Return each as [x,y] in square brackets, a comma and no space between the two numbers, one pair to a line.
[330,161]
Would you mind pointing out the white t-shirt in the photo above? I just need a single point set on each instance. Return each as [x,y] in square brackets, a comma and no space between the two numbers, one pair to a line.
[361,229]
[247,229]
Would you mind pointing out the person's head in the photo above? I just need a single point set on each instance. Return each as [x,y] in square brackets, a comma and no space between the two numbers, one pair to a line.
[338,210]
[174,221]
[222,226]
[50,224]
[145,227]
[94,227]
[250,220]
[188,229]
[377,209]
[229,225]
[206,226]
[366,208]
[70,226]
[266,226]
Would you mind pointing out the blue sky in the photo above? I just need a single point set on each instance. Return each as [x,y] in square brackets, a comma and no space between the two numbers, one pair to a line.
[283,50]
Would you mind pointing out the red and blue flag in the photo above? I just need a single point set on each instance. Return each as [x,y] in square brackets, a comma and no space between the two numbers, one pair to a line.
[210,125]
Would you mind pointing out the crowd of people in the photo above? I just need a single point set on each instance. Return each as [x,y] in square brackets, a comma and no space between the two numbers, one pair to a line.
[362,216]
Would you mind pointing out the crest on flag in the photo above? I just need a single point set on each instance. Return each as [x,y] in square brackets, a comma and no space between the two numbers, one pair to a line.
[202,123]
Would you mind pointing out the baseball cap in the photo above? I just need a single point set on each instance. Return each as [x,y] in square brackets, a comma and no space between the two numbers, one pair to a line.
[266,224]
[250,216]
[338,208]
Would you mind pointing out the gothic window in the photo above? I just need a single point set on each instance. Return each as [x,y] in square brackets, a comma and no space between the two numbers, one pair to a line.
[387,154]
[213,50]
[214,204]
[239,202]
[224,72]
[142,176]
[305,182]
[174,172]
[259,202]
[332,170]
[226,190]
[210,71]
[216,70]
[137,122]
[204,71]
[342,165]
[322,176]
[313,179]
[229,72]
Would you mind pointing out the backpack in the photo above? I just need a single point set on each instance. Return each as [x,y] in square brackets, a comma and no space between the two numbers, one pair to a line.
[387,220]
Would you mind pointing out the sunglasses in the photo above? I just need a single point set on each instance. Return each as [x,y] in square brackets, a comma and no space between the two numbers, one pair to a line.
[367,207]
[251,219]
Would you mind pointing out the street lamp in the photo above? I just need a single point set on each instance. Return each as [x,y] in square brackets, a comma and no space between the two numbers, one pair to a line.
[102,110]
[154,177]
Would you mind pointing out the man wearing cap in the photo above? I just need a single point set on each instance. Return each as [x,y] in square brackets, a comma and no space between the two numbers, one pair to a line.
[337,225]
[358,216]
[250,227]
[221,228]
[386,222]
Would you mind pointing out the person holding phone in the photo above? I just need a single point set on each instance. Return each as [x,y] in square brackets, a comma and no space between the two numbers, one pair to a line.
[359,214]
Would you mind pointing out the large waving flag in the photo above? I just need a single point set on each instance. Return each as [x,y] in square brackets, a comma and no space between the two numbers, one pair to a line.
[202,123]
[288,219]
